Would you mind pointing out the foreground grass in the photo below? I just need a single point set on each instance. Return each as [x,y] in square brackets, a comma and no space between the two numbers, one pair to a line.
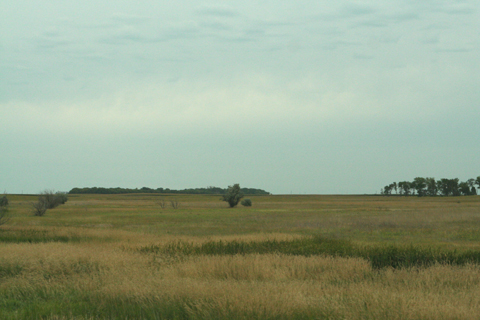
[107,257]
[84,280]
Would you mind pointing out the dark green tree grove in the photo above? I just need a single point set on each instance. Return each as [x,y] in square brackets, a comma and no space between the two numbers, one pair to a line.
[431,187]
[207,190]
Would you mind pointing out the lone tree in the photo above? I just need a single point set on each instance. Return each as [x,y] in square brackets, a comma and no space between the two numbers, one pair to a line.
[233,195]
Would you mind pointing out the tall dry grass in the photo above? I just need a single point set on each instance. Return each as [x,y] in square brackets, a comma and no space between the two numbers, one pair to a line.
[110,280]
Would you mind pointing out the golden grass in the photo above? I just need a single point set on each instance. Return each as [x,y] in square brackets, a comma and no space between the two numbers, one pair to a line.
[273,284]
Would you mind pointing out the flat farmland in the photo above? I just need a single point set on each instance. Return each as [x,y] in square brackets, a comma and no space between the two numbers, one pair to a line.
[286,257]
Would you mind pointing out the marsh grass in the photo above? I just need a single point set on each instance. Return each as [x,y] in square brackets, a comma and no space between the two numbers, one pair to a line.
[380,256]
[300,257]
[36,236]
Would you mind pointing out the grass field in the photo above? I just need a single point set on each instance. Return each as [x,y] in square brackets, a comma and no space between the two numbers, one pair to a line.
[286,257]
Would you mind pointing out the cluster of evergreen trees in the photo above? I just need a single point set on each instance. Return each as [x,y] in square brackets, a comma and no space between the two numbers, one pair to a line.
[208,190]
[431,187]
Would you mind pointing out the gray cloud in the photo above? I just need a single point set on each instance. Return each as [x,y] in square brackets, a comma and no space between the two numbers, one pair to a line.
[458,8]
[129,19]
[126,38]
[430,39]
[455,50]
[356,9]
[384,20]
[217,11]
[363,56]
[51,44]
[219,26]
[444,6]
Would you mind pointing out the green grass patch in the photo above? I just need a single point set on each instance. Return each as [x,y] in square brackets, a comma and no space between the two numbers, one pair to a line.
[39,304]
[37,236]
[9,270]
[380,256]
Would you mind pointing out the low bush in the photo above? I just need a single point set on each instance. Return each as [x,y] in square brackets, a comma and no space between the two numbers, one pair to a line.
[162,204]
[48,200]
[3,202]
[246,202]
[52,199]
[60,198]
[40,207]
[174,204]
[4,214]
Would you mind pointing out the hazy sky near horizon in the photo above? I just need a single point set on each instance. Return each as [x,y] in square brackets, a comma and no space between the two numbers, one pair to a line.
[286,96]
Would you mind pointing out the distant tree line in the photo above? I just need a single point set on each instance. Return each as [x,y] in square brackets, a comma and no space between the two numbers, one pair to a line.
[430,187]
[207,190]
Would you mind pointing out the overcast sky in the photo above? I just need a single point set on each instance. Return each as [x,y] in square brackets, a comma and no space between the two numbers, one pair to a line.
[287,96]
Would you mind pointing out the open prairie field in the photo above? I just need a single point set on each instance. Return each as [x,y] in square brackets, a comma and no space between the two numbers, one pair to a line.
[286,257]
